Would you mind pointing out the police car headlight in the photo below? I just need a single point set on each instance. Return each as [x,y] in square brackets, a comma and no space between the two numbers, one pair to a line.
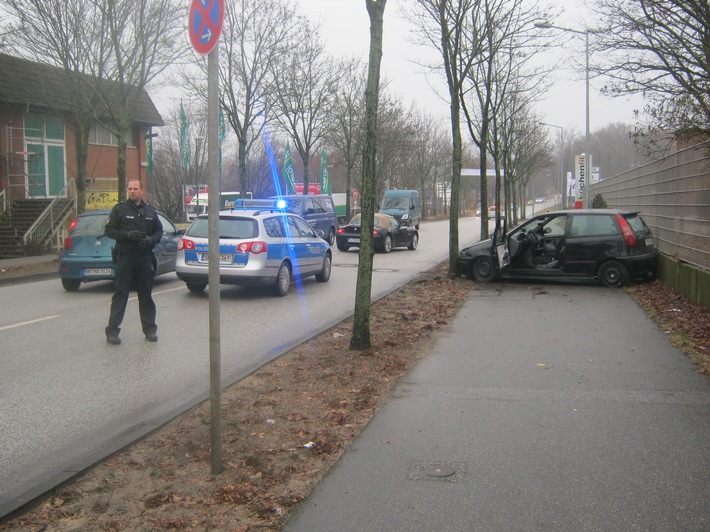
[405,217]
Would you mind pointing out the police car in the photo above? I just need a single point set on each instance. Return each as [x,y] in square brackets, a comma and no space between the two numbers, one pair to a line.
[258,246]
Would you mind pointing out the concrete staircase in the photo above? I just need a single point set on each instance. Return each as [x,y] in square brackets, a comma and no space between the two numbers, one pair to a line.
[18,219]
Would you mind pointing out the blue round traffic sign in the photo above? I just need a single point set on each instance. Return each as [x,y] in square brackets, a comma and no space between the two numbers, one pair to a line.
[205,24]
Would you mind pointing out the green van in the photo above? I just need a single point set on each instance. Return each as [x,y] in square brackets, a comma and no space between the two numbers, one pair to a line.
[404,205]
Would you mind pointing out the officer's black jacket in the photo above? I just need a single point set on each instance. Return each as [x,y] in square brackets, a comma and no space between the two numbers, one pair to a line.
[126,216]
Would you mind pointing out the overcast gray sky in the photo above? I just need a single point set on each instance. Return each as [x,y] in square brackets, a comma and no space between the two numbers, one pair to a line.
[345,28]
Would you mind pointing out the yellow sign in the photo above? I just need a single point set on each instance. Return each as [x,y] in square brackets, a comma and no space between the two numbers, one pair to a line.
[101,200]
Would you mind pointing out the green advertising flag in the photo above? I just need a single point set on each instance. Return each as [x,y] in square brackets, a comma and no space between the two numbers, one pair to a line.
[324,180]
[288,171]
[184,140]
[148,150]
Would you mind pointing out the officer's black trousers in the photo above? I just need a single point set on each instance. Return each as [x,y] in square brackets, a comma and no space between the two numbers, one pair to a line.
[133,272]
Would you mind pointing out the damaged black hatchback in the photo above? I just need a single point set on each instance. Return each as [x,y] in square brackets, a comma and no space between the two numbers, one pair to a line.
[608,245]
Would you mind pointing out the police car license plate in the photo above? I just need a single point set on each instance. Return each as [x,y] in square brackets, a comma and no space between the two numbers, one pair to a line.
[354,240]
[97,271]
[223,259]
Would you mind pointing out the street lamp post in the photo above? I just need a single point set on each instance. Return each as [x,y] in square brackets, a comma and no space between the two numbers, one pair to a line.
[563,181]
[587,157]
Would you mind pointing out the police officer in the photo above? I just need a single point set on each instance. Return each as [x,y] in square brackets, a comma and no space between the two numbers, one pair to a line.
[135,227]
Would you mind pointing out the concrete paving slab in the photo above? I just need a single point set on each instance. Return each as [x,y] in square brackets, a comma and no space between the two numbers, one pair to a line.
[542,408]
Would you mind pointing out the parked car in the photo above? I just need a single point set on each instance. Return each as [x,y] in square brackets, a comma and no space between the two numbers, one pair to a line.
[609,245]
[263,247]
[317,209]
[87,250]
[388,234]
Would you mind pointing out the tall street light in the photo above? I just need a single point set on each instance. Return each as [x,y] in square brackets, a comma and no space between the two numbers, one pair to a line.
[563,181]
[587,157]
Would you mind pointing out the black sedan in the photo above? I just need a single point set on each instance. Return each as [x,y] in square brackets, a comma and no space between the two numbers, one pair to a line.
[388,234]
[608,245]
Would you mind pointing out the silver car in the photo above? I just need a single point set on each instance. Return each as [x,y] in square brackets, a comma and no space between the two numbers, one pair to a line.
[264,247]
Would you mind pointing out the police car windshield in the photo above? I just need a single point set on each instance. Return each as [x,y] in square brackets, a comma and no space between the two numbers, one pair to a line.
[229,227]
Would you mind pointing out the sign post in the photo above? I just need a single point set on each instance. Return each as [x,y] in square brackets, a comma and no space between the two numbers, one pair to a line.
[580,168]
[205,25]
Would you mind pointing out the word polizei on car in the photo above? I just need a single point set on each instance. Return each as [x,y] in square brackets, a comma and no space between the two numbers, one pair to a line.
[608,245]
[257,247]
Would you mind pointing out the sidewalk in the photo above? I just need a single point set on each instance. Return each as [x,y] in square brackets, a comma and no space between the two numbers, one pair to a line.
[26,261]
[548,407]
[25,269]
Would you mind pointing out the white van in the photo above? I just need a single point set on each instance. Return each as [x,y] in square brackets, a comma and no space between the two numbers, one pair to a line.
[226,201]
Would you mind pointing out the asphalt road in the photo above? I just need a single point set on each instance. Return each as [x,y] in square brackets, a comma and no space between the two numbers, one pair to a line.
[69,399]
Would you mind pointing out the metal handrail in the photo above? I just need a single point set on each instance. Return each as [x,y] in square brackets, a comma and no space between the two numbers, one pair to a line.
[55,213]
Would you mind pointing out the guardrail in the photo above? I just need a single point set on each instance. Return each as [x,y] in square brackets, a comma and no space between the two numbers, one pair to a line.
[49,222]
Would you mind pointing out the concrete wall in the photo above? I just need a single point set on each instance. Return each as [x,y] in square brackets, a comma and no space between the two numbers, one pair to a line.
[686,279]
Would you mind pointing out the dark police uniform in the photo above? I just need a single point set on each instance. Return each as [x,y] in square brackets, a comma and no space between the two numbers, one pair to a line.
[136,229]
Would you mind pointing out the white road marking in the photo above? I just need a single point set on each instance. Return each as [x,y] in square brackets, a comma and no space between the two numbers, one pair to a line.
[30,322]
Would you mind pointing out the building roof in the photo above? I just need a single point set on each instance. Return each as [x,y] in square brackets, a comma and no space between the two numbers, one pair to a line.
[24,82]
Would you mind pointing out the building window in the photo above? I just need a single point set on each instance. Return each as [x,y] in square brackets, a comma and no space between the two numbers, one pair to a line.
[38,126]
[99,134]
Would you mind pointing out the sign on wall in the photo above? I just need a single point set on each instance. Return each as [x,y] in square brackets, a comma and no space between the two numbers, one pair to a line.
[96,201]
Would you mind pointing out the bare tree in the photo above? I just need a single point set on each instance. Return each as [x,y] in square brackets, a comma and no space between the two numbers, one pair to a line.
[256,37]
[140,41]
[443,24]
[506,36]
[303,93]
[169,178]
[360,338]
[63,34]
[525,150]
[395,144]
[659,48]
[430,154]
[347,134]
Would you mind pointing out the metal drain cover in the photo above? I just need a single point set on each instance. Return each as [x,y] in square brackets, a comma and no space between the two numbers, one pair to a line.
[438,470]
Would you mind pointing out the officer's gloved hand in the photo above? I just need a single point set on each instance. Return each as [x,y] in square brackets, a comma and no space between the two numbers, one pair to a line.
[135,235]
[146,242]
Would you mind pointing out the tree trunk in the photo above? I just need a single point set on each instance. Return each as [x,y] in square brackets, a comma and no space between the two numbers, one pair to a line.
[363,293]
[455,187]
[81,152]
[121,167]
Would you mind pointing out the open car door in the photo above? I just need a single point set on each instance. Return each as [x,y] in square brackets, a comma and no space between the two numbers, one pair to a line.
[500,245]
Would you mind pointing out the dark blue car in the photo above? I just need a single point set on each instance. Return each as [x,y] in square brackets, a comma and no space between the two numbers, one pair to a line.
[87,250]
